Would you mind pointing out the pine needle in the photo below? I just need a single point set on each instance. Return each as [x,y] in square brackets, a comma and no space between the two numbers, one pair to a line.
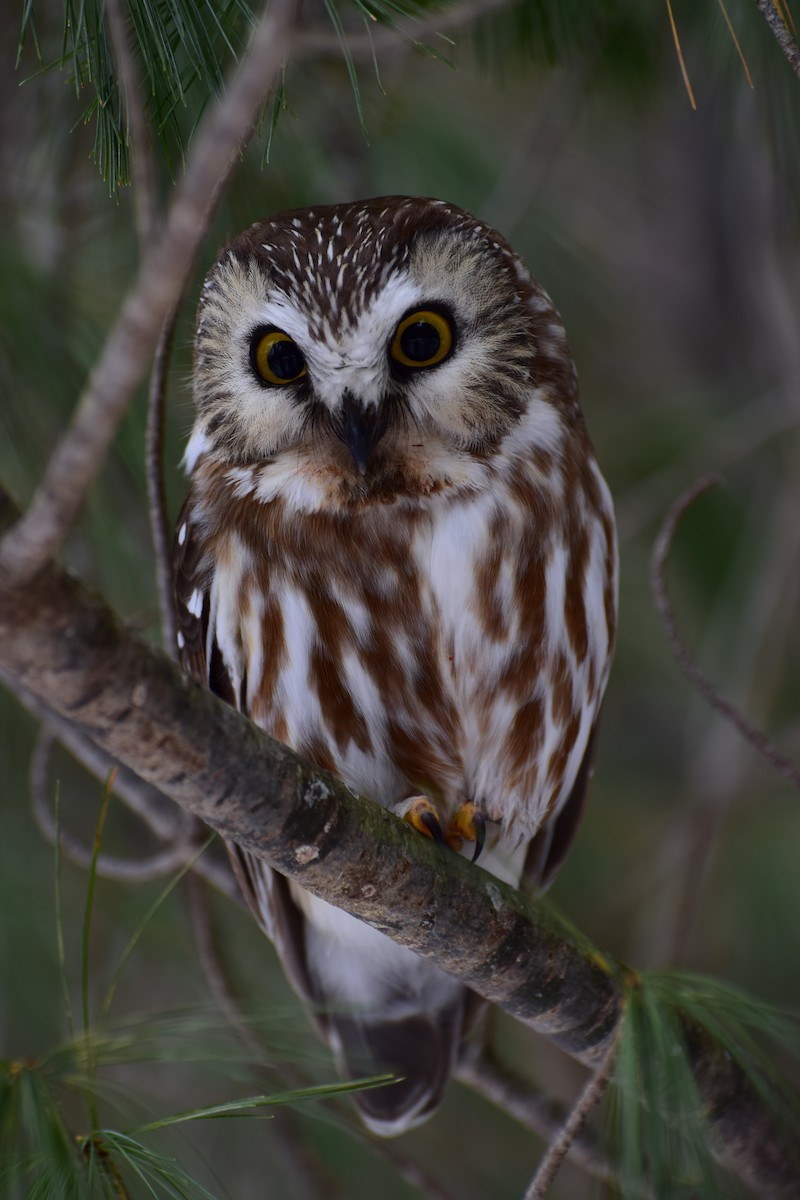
[739,50]
[782,9]
[661,1122]
[336,21]
[62,961]
[144,922]
[679,51]
[251,1105]
[90,889]
[87,928]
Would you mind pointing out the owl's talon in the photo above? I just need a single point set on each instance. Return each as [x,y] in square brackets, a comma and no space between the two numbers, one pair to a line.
[422,814]
[480,834]
[434,828]
[469,825]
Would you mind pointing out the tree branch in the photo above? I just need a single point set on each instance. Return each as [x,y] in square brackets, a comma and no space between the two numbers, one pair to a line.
[782,33]
[658,582]
[498,1084]
[160,530]
[66,647]
[162,278]
[154,866]
[162,818]
[589,1098]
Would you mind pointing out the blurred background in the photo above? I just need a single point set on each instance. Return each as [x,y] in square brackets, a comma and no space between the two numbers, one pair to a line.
[669,239]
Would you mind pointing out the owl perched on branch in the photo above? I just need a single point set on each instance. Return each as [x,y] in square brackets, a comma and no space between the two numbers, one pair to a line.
[398,556]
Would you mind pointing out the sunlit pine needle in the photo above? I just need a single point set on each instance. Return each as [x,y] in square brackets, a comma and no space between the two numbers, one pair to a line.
[784,12]
[739,50]
[684,72]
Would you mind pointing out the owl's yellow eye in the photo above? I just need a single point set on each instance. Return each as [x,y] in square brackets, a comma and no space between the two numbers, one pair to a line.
[422,339]
[276,358]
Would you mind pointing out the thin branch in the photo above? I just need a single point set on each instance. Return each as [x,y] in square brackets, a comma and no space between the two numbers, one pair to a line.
[143,174]
[704,685]
[724,444]
[63,643]
[155,866]
[589,1098]
[164,820]
[215,150]
[541,1115]
[782,34]
[160,527]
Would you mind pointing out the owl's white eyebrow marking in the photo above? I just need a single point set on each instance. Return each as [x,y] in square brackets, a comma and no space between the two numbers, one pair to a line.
[195,605]
[182,534]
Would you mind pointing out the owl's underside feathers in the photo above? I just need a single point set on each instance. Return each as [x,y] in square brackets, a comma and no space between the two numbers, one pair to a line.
[397,555]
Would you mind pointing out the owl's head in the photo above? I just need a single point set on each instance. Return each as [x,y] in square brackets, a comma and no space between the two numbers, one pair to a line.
[366,338]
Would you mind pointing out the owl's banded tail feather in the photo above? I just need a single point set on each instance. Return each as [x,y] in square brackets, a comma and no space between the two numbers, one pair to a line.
[419,1049]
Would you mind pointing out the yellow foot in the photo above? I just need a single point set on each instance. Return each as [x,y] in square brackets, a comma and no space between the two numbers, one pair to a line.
[468,824]
[420,812]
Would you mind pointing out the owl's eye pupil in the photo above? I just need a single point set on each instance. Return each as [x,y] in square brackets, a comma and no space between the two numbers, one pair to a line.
[276,358]
[420,341]
[424,338]
[285,359]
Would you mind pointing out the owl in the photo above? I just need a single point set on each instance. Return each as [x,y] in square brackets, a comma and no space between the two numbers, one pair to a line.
[397,555]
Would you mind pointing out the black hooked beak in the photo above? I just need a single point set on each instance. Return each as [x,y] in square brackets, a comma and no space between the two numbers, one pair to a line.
[362,429]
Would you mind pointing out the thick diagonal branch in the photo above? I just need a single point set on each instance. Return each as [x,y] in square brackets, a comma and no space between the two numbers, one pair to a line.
[66,647]
[165,268]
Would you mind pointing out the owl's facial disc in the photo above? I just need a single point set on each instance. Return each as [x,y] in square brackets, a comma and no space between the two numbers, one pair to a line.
[373,339]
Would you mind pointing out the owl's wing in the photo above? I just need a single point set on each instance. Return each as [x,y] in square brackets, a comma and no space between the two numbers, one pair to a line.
[266,892]
[550,846]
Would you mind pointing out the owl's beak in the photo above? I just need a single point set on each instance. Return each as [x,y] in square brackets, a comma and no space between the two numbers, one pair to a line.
[362,429]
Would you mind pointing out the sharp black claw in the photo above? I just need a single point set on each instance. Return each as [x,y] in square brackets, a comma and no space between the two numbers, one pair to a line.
[479,822]
[434,828]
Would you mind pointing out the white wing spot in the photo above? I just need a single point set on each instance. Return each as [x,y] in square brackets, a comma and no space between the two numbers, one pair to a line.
[181,640]
[182,534]
[195,605]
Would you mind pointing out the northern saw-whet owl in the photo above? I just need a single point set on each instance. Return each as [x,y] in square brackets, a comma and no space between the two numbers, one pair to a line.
[398,556]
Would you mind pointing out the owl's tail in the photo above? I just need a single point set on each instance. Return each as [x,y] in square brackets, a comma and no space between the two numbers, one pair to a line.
[382,1008]
[419,1049]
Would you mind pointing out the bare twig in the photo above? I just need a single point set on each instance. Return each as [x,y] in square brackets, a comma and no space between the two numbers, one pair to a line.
[782,34]
[726,443]
[155,866]
[589,1098]
[143,175]
[541,1115]
[81,451]
[702,683]
[160,527]
[160,815]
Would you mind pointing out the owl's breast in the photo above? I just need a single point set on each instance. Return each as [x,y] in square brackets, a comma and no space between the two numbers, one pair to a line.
[422,649]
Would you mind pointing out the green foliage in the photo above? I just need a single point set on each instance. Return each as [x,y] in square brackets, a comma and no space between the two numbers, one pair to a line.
[183,50]
[43,1153]
[659,1121]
